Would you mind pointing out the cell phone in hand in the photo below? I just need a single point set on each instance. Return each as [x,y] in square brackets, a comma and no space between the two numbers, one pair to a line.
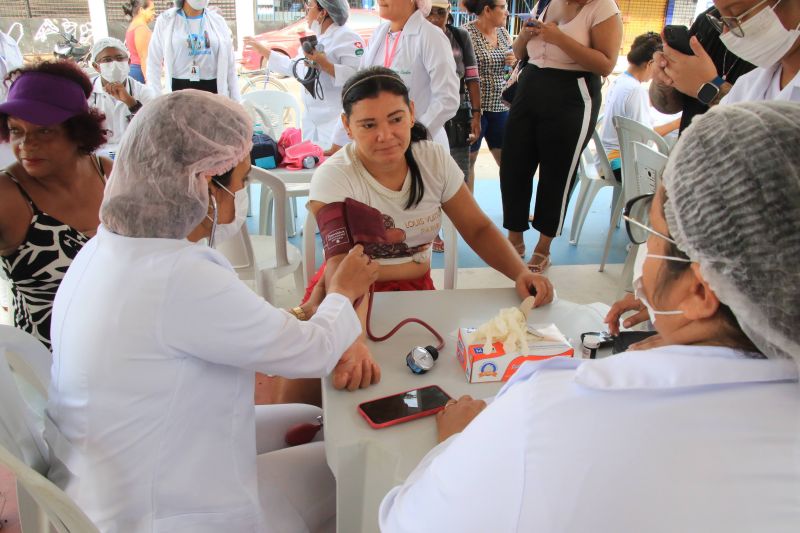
[677,37]
[404,406]
[534,23]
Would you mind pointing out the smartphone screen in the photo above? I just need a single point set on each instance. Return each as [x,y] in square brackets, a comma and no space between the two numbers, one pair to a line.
[404,405]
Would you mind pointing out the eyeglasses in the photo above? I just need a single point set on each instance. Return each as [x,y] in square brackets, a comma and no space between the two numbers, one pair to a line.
[637,218]
[111,59]
[439,11]
[734,24]
[500,6]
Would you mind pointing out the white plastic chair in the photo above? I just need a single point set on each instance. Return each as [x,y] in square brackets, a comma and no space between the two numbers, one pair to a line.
[24,377]
[449,236]
[272,107]
[594,173]
[263,259]
[628,132]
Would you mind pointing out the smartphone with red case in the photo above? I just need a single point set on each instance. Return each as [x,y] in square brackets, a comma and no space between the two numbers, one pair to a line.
[404,406]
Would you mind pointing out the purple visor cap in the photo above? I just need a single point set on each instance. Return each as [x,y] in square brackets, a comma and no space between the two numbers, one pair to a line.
[44,99]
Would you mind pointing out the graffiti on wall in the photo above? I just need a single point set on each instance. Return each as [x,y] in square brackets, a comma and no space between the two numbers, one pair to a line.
[49,26]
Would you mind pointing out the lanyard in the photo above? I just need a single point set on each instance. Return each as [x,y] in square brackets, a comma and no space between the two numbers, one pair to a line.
[201,34]
[388,56]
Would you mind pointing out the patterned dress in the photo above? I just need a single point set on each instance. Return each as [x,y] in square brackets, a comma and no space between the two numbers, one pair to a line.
[38,265]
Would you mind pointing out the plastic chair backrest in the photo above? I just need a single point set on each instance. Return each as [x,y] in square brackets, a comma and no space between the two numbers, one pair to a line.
[628,132]
[58,509]
[449,236]
[603,166]
[239,249]
[24,366]
[649,167]
[275,103]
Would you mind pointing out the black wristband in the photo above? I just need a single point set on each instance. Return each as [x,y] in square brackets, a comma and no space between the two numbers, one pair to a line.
[135,107]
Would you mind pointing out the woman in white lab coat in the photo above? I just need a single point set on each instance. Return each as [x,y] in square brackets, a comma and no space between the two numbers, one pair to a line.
[192,46]
[337,55]
[421,54]
[150,419]
[694,430]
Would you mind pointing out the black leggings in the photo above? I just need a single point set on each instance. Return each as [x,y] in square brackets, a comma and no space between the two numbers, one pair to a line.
[550,122]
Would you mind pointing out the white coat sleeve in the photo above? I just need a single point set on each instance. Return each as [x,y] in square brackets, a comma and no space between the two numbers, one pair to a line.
[155,57]
[438,58]
[144,93]
[280,63]
[344,58]
[210,314]
[233,79]
[472,482]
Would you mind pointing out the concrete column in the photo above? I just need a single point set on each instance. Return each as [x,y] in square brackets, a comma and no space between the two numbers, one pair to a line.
[245,21]
[97,15]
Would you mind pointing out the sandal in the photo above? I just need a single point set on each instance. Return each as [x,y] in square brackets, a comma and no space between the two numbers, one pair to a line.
[541,266]
[519,247]
[438,245]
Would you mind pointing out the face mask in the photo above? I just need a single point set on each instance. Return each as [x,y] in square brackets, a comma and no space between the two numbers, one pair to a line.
[199,5]
[241,203]
[115,72]
[316,26]
[765,40]
[638,287]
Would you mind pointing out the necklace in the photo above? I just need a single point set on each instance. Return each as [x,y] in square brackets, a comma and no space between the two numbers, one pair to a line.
[724,64]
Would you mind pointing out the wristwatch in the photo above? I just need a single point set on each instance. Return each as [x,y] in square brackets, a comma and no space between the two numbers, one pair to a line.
[709,90]
[299,313]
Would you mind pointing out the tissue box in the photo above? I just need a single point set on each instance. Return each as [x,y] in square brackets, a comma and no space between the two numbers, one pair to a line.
[544,342]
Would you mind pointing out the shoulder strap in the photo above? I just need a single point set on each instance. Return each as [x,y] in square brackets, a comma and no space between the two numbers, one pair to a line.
[22,191]
[99,167]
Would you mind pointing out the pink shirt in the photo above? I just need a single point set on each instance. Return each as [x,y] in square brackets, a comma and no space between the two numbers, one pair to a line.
[545,55]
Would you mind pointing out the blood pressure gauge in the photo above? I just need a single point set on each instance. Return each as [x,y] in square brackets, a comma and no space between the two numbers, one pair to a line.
[420,359]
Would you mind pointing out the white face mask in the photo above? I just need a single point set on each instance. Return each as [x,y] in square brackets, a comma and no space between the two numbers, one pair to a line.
[241,202]
[115,72]
[316,26]
[765,40]
[197,4]
[638,287]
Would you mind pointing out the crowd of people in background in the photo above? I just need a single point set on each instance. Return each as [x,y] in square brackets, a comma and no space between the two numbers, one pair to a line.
[109,181]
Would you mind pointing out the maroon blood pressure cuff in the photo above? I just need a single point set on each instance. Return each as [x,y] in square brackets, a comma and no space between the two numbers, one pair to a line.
[342,225]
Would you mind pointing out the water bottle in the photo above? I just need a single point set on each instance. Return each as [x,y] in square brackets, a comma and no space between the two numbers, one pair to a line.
[507,68]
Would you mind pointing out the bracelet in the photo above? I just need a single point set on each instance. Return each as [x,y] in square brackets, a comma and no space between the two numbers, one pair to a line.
[476,110]
[135,107]
[299,313]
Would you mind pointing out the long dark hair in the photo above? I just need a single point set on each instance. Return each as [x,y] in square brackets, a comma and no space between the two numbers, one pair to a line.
[370,82]
[131,8]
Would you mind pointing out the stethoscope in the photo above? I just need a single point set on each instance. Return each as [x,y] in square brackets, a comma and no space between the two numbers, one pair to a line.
[213,218]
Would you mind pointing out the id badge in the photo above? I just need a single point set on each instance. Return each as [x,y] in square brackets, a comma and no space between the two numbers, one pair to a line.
[194,73]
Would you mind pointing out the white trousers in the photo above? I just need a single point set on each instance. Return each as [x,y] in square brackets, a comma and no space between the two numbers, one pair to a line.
[296,488]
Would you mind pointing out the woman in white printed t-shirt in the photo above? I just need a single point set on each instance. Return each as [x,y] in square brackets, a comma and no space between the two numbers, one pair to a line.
[422,56]
[392,167]
[193,44]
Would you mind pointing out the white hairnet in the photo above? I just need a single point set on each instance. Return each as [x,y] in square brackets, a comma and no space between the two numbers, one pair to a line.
[424,6]
[339,10]
[733,188]
[158,187]
[108,42]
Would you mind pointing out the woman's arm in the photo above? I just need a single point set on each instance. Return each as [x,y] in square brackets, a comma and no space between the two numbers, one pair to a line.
[141,39]
[601,57]
[520,44]
[485,239]
[155,56]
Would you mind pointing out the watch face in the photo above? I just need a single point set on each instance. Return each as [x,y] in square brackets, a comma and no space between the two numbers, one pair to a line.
[707,93]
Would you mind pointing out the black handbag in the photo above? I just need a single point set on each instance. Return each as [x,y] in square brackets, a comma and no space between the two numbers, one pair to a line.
[264,153]
[458,128]
[508,94]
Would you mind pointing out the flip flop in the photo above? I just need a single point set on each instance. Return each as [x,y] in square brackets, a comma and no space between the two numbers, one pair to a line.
[542,265]
[520,248]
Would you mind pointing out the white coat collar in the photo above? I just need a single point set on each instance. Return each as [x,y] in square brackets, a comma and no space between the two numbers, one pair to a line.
[764,77]
[668,367]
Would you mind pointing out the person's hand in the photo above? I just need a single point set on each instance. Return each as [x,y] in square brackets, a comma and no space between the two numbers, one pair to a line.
[356,369]
[456,415]
[620,307]
[510,58]
[317,57]
[118,91]
[549,32]
[354,275]
[475,128]
[537,285]
[262,49]
[688,73]
[659,76]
